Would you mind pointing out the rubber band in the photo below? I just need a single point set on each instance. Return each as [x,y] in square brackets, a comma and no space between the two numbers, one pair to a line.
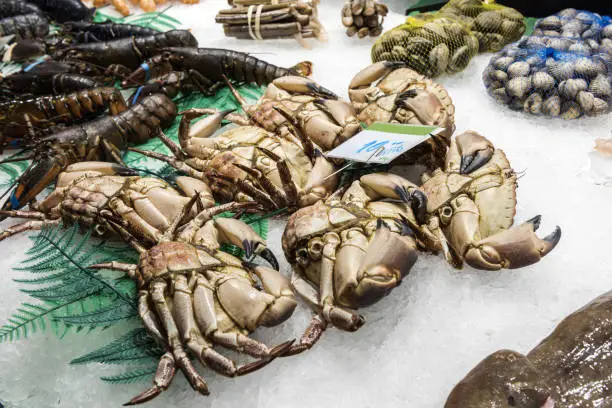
[137,94]
[32,65]
[147,70]
[257,34]
[14,201]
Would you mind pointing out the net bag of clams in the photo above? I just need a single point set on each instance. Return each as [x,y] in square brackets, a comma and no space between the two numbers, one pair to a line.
[593,29]
[431,45]
[543,80]
[493,24]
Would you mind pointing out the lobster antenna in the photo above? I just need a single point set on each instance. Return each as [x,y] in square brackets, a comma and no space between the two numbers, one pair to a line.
[241,101]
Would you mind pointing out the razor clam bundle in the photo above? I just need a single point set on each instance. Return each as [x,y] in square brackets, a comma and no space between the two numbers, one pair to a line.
[595,30]
[363,17]
[259,20]
[430,44]
[493,24]
[567,82]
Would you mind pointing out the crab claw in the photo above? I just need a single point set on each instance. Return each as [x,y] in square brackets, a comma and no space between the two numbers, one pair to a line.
[237,232]
[373,72]
[303,85]
[475,151]
[512,248]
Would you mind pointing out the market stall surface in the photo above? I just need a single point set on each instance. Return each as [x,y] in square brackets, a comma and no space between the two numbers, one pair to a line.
[424,337]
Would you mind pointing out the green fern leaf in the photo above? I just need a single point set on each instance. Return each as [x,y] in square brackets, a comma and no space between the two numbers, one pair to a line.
[28,315]
[134,345]
[131,377]
[106,316]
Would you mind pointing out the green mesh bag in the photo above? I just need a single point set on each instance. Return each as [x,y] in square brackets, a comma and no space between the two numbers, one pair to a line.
[429,43]
[493,24]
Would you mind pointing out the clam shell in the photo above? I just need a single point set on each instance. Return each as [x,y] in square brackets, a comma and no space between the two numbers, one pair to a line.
[494,41]
[510,13]
[567,13]
[516,104]
[599,106]
[438,58]
[518,68]
[436,28]
[501,95]
[399,53]
[534,40]
[499,76]
[472,43]
[385,56]
[549,23]
[606,46]
[459,59]
[533,104]
[488,21]
[543,81]
[588,68]
[552,106]
[570,110]
[570,87]
[585,100]
[584,17]
[560,70]
[512,29]
[607,31]
[590,33]
[580,48]
[518,87]
[573,26]
[419,44]
[503,63]
[592,43]
[600,87]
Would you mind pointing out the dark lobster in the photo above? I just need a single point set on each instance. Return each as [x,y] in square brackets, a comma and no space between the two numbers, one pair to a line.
[31,84]
[10,8]
[207,68]
[24,26]
[86,32]
[127,52]
[21,119]
[65,10]
[101,140]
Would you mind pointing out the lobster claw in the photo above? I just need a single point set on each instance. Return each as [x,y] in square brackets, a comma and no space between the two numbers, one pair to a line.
[512,248]
[38,176]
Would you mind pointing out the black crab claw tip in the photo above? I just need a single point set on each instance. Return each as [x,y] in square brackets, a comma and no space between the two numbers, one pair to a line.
[248,248]
[404,225]
[227,112]
[270,258]
[380,224]
[419,206]
[402,193]
[317,153]
[535,221]
[411,93]
[319,90]
[554,237]
[471,162]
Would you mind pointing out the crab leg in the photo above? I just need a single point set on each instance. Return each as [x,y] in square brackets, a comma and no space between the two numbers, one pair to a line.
[275,193]
[195,380]
[284,173]
[26,226]
[177,164]
[166,369]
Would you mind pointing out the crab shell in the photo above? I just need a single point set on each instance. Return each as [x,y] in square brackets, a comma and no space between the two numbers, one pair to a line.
[326,121]
[431,104]
[239,145]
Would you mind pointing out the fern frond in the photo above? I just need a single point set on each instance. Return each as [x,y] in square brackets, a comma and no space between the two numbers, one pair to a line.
[103,317]
[28,317]
[134,345]
[131,377]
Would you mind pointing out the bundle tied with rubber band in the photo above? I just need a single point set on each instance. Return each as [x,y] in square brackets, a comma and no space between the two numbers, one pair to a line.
[493,24]
[551,76]
[429,44]
[272,19]
[593,29]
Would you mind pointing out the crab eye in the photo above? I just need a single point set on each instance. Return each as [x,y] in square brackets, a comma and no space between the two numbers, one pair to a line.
[302,253]
[166,55]
[315,248]
[445,215]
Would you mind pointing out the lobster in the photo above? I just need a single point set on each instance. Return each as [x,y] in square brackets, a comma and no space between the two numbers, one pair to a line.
[28,84]
[65,10]
[208,67]
[24,26]
[126,52]
[100,139]
[20,118]
[86,32]
[9,8]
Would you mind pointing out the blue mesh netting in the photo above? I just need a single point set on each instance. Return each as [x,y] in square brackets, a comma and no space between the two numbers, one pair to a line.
[551,76]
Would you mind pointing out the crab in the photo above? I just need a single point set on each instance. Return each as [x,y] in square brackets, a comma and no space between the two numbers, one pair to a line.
[349,251]
[324,118]
[389,91]
[248,163]
[192,296]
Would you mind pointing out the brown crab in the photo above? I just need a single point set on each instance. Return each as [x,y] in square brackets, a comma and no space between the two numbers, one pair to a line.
[192,295]
[352,249]
[248,163]
[389,91]
[324,118]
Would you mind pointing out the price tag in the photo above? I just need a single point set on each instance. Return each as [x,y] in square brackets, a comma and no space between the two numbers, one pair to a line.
[383,142]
